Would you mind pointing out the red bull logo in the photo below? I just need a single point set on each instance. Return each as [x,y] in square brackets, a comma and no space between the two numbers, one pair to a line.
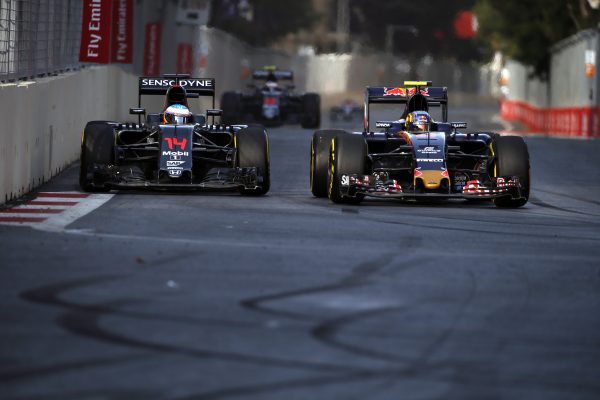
[394,91]
[425,92]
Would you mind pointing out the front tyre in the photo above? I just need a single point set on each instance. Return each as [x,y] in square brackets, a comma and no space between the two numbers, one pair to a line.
[512,159]
[252,146]
[347,156]
[97,153]
[231,104]
[319,161]
[311,111]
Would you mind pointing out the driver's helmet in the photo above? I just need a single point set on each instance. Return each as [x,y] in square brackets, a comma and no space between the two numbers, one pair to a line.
[177,114]
[418,121]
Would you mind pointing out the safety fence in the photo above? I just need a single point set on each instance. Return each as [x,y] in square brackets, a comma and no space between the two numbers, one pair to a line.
[38,37]
[568,104]
[577,122]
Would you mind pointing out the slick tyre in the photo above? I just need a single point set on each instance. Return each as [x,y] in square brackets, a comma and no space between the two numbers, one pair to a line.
[512,159]
[347,156]
[311,111]
[231,104]
[319,161]
[252,145]
[97,150]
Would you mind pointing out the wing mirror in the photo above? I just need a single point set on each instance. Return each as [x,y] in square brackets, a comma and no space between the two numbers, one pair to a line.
[214,112]
[137,111]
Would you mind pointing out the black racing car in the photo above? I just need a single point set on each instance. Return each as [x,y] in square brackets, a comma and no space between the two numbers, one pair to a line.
[398,161]
[162,153]
[272,103]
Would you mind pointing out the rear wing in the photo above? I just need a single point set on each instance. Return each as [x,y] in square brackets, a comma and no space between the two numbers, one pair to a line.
[194,87]
[412,90]
[279,75]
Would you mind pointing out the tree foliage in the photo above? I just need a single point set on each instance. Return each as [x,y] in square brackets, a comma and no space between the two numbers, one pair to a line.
[433,19]
[261,22]
[525,30]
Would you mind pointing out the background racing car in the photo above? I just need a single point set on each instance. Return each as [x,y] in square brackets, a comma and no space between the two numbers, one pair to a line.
[435,162]
[348,111]
[174,149]
[272,103]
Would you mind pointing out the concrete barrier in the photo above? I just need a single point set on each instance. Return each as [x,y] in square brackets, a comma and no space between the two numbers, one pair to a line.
[40,133]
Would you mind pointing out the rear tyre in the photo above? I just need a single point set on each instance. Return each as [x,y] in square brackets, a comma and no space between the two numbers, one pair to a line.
[347,156]
[311,111]
[97,152]
[319,161]
[231,104]
[512,159]
[252,145]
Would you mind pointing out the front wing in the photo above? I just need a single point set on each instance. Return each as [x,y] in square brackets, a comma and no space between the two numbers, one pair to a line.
[216,179]
[371,185]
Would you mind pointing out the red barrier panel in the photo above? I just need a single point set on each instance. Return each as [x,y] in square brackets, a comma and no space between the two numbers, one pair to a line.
[152,49]
[95,31]
[184,58]
[122,31]
[575,122]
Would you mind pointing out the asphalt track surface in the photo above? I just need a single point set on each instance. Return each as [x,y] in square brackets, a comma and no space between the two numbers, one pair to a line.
[217,296]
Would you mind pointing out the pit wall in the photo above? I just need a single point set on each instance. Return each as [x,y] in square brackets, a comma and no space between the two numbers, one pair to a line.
[43,121]
[565,105]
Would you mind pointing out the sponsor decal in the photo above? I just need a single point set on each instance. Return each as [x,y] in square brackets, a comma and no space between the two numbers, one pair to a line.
[430,160]
[175,153]
[460,180]
[171,142]
[175,172]
[152,49]
[383,124]
[459,125]
[198,83]
[95,31]
[425,92]
[394,91]
[270,101]
[429,150]
[345,180]
[122,32]
[174,163]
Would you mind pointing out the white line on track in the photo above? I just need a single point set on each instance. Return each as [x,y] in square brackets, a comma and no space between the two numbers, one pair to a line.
[53,211]
[58,222]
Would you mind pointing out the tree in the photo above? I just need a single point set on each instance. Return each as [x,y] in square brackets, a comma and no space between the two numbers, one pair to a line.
[433,20]
[262,22]
[525,31]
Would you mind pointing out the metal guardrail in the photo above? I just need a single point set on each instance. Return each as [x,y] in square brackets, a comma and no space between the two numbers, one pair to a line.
[38,37]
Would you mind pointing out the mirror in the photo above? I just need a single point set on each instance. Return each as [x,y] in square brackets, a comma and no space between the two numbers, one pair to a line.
[137,111]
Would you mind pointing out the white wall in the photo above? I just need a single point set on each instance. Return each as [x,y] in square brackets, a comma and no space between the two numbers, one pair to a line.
[42,122]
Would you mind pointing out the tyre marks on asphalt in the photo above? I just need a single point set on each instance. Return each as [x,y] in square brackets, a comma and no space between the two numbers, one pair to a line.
[83,319]
[52,211]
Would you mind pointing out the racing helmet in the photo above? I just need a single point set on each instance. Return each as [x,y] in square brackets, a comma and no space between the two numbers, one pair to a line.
[418,121]
[177,114]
